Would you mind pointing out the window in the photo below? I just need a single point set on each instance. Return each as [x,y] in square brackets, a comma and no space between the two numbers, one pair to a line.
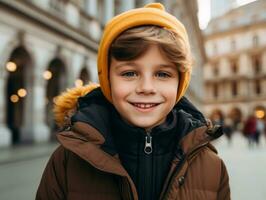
[234,88]
[257,64]
[257,87]
[138,3]
[234,67]
[215,90]
[215,70]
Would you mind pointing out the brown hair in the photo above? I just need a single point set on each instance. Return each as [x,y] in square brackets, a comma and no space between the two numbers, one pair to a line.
[134,42]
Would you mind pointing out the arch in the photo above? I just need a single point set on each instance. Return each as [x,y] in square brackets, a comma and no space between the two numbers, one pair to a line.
[18,83]
[56,83]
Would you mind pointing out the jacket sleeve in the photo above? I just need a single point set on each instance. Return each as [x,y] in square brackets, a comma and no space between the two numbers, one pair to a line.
[224,189]
[53,182]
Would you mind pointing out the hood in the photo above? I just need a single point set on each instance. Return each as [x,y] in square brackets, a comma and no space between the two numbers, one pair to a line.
[65,105]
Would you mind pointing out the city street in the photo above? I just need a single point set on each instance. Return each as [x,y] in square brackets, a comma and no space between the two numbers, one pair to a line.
[20,180]
[246,168]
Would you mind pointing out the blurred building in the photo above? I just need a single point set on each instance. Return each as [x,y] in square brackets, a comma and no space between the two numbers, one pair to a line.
[235,72]
[220,7]
[49,45]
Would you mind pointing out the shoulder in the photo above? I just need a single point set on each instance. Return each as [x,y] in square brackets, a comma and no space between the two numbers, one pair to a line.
[207,170]
[210,154]
[209,162]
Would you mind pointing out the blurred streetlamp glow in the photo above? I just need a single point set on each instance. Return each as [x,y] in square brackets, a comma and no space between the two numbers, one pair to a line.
[11,66]
[47,75]
[260,114]
[79,83]
[54,99]
[14,98]
[22,92]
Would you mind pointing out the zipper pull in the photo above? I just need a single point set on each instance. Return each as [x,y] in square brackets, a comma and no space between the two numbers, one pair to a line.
[148,143]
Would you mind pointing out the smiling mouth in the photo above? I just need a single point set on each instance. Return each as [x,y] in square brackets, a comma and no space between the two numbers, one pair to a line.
[144,105]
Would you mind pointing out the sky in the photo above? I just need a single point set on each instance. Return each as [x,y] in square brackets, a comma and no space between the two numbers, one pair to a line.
[205,13]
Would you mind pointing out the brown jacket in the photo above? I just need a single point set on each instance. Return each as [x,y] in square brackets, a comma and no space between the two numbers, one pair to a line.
[80,169]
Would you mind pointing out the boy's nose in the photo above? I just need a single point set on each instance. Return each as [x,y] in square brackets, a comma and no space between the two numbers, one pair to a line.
[146,86]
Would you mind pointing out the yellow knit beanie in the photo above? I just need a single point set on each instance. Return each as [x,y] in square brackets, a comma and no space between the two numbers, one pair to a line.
[151,14]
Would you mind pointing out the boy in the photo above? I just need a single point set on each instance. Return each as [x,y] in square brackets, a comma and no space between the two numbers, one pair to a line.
[136,136]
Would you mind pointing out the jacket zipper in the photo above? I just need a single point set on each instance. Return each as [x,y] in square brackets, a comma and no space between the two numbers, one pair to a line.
[147,164]
[148,142]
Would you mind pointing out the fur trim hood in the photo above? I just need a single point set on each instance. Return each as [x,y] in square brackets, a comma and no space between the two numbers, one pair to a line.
[65,105]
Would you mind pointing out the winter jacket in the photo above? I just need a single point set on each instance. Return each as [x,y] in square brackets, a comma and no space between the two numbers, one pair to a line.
[87,166]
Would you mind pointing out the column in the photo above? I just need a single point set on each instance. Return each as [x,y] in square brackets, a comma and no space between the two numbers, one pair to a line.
[5,133]
[224,67]
[263,63]
[144,2]
[91,7]
[5,48]
[108,10]
[34,126]
[126,5]
[245,65]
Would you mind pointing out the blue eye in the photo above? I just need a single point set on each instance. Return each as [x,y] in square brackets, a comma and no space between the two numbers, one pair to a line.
[163,75]
[129,74]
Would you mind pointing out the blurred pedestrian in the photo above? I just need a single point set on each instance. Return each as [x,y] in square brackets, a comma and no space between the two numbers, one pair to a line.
[250,128]
[228,129]
[259,130]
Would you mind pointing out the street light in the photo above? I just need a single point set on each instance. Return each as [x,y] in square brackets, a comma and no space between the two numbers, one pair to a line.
[14,98]
[79,83]
[22,92]
[11,66]
[47,75]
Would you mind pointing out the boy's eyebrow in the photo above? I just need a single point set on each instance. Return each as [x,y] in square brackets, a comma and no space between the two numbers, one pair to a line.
[170,65]
[126,64]
[133,64]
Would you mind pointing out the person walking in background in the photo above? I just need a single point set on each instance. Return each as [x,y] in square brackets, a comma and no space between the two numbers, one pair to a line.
[250,128]
[228,129]
[259,130]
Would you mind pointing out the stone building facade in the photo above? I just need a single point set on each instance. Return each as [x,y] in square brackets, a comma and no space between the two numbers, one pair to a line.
[235,72]
[50,45]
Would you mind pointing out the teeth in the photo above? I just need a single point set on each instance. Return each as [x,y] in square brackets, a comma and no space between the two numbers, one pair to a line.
[146,105]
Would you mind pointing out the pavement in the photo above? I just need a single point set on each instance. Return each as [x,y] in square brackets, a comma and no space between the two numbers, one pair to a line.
[24,152]
[246,167]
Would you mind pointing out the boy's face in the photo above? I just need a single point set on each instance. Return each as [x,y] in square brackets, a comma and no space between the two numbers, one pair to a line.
[144,90]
